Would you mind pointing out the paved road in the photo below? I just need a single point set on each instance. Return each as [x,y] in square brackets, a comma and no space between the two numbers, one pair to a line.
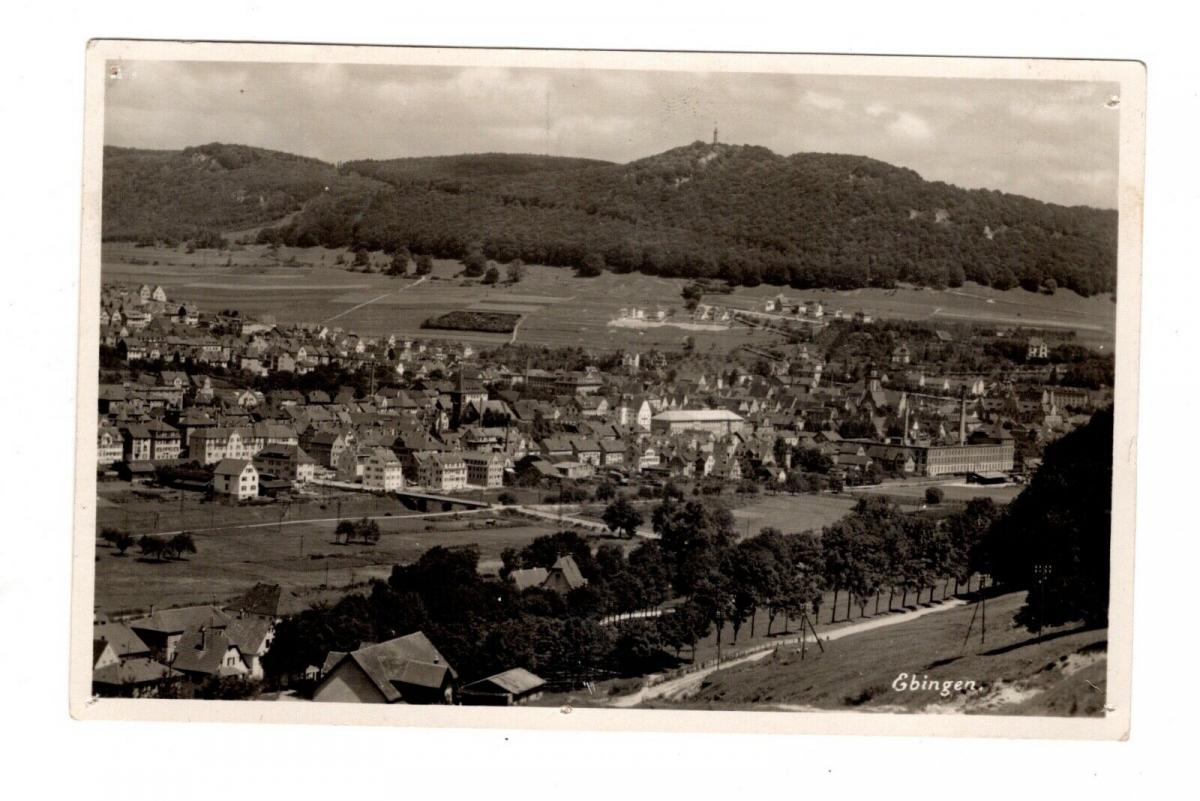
[688,684]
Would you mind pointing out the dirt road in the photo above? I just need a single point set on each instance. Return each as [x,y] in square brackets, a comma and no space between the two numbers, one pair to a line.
[688,684]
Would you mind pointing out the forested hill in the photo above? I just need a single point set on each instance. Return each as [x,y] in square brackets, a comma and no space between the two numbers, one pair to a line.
[177,194]
[741,213]
[472,165]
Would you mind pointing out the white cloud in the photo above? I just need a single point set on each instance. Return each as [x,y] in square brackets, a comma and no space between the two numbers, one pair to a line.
[823,101]
[877,109]
[910,126]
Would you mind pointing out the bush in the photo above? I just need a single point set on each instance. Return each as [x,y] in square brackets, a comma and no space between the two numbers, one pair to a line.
[593,265]
[475,263]
[934,495]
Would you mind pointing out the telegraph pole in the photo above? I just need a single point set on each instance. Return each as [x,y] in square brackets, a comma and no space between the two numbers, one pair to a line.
[1042,572]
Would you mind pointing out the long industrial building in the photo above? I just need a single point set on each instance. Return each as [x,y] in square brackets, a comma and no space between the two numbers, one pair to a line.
[716,421]
[940,460]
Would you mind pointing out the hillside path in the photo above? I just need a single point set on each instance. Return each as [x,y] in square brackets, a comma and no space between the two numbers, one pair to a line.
[372,300]
[687,684]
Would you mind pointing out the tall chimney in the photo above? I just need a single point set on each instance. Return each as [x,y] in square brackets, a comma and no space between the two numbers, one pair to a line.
[962,416]
[904,436]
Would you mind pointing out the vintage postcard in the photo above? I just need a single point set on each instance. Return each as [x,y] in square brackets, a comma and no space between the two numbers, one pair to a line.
[608,390]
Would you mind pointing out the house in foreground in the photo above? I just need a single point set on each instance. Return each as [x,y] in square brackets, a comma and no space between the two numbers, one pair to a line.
[406,670]
[162,630]
[516,686]
[140,677]
[204,652]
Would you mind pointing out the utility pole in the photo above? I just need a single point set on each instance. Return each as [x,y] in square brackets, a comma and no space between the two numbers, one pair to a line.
[1042,572]
[983,615]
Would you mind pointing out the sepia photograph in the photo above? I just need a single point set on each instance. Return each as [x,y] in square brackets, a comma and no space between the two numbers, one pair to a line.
[607,389]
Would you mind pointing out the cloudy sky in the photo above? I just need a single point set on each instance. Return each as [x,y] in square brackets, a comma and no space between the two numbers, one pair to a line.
[1055,141]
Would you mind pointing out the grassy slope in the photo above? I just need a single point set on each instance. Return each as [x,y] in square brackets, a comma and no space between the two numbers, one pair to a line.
[572,311]
[1017,674]
[295,555]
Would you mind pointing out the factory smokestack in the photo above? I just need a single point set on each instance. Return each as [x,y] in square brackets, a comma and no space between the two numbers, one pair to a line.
[962,416]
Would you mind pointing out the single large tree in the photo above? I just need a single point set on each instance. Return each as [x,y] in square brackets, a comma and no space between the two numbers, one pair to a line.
[693,534]
[622,516]
[122,541]
[344,531]
[475,263]
[1054,537]
[152,546]
[516,271]
[181,543]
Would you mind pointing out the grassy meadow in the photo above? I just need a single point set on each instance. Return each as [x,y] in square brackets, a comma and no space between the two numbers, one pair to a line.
[557,308]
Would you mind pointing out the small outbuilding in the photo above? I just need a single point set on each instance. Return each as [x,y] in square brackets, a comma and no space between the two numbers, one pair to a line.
[512,687]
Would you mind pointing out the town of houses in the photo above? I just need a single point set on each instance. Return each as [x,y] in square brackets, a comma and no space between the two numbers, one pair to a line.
[438,417]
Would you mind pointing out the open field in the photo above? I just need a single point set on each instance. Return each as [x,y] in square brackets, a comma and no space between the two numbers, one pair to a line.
[557,308]
[956,491]
[300,556]
[149,511]
[791,513]
[1015,673]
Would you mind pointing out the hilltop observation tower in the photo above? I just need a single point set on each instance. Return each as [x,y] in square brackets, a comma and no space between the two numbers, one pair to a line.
[714,134]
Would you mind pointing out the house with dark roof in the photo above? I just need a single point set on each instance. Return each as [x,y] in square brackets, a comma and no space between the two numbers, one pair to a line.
[131,678]
[326,446]
[162,630]
[287,462]
[406,670]
[526,577]
[261,600]
[515,686]
[564,576]
[123,640]
[205,652]
[236,479]
[252,636]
